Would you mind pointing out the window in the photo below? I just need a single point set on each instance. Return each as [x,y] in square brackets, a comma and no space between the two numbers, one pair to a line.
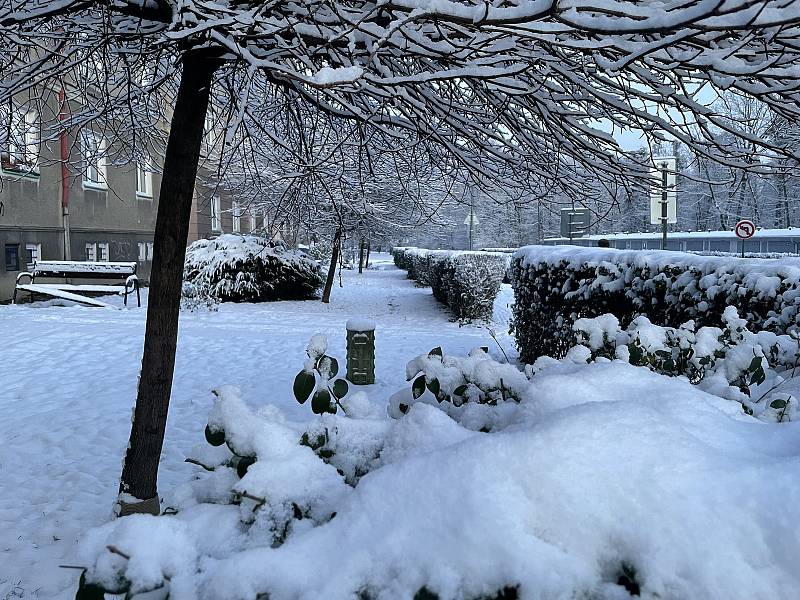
[20,139]
[94,147]
[102,252]
[237,217]
[216,208]
[12,257]
[34,253]
[149,250]
[144,179]
[91,252]
[142,252]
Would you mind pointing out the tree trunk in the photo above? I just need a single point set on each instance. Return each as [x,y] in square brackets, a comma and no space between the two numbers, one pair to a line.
[361,257]
[369,249]
[326,294]
[140,469]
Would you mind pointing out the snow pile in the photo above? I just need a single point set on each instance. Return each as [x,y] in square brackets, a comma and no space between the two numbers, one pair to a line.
[554,286]
[246,268]
[467,282]
[609,477]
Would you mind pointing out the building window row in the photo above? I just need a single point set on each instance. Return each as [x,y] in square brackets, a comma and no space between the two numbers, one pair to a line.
[145,251]
[96,252]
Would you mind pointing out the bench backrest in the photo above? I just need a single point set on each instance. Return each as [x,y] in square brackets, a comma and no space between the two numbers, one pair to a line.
[89,270]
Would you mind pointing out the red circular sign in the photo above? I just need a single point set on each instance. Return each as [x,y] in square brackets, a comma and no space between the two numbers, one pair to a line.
[744,229]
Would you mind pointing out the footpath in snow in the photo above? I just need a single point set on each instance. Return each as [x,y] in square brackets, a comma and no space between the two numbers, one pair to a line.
[68,387]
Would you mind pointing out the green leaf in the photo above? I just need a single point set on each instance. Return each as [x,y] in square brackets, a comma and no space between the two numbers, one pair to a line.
[403,408]
[433,386]
[304,384]
[669,365]
[334,368]
[321,402]
[435,352]
[758,377]
[340,388]
[215,437]
[243,464]
[755,364]
[460,390]
[89,591]
[418,387]
[485,349]
[778,404]
[325,453]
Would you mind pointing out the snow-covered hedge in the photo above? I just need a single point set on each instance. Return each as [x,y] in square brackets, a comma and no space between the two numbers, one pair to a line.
[246,268]
[597,481]
[555,286]
[467,282]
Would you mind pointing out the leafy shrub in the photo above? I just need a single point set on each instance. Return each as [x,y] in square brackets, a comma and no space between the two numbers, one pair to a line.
[556,286]
[235,268]
[731,362]
[318,380]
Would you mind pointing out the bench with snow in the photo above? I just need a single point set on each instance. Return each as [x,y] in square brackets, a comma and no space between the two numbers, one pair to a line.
[124,272]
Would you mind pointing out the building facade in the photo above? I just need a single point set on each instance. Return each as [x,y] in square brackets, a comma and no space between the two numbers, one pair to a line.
[63,200]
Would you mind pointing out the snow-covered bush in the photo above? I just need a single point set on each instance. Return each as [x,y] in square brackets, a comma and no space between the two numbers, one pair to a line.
[605,480]
[476,391]
[555,286]
[467,282]
[246,268]
[731,362]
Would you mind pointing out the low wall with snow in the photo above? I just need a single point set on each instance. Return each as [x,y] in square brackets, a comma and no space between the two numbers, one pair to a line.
[467,282]
[555,285]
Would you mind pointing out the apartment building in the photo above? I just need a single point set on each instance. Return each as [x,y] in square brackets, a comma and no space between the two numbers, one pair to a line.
[70,199]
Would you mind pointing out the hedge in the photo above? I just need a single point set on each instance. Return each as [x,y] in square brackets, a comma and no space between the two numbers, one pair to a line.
[466,282]
[556,285]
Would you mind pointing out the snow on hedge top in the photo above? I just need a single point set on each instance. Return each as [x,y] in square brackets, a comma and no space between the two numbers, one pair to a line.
[785,268]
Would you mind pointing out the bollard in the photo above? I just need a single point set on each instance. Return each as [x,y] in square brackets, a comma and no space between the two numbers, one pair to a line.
[361,351]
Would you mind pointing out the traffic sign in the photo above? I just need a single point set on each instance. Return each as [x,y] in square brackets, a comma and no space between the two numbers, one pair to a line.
[575,221]
[663,178]
[745,229]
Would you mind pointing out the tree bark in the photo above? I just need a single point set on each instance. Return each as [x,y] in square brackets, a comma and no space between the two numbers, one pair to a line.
[361,257]
[326,294]
[140,469]
[369,249]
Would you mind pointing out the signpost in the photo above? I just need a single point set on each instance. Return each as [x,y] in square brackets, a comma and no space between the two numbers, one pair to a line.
[744,230]
[664,196]
[471,220]
[575,222]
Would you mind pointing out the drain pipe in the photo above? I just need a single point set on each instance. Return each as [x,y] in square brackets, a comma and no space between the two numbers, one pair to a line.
[62,117]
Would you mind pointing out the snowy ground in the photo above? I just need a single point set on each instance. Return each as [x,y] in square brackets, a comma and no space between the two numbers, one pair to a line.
[68,382]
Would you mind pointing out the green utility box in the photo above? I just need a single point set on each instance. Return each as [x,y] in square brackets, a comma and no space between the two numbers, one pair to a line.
[361,351]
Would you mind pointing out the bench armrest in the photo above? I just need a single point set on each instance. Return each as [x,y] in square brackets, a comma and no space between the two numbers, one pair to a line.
[25,274]
[132,282]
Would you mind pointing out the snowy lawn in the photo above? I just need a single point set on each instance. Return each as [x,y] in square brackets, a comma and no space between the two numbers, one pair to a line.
[68,382]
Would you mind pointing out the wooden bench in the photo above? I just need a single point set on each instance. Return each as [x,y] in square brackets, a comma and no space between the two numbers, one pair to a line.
[71,270]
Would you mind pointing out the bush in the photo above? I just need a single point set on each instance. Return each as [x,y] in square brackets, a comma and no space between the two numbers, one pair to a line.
[555,286]
[467,282]
[234,268]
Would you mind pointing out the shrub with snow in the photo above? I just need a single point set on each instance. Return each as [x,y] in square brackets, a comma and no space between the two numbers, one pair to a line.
[246,268]
[604,479]
[466,282]
[555,286]
[731,362]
